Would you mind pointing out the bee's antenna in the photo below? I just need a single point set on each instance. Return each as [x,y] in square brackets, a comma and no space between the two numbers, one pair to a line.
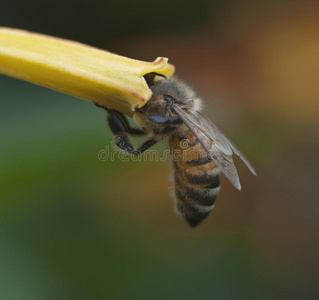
[149,77]
[158,74]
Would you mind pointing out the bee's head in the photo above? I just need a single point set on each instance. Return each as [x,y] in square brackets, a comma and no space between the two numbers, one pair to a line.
[167,92]
[171,91]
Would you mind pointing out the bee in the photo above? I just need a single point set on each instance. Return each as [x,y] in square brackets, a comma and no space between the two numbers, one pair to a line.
[199,151]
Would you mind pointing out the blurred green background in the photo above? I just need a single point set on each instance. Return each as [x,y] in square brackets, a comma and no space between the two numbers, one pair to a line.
[73,227]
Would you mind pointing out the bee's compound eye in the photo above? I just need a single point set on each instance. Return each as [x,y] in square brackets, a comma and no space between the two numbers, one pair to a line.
[168,98]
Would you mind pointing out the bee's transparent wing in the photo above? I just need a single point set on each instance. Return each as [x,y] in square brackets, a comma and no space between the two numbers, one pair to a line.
[214,132]
[217,146]
[243,158]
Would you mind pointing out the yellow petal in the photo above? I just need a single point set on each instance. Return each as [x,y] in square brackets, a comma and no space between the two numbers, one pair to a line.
[77,69]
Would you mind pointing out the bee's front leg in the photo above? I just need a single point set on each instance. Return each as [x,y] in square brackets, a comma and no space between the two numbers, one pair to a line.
[118,123]
[121,129]
[124,143]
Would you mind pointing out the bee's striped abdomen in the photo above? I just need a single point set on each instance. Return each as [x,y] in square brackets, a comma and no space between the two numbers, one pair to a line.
[196,195]
[196,184]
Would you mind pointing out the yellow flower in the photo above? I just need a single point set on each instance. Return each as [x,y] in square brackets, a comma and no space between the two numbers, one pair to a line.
[77,69]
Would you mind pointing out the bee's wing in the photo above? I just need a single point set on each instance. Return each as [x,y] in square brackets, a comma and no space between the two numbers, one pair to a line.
[243,158]
[217,146]
[220,137]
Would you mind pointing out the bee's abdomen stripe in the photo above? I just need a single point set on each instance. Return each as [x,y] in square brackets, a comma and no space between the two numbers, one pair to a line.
[199,162]
[190,144]
[195,210]
[202,196]
[178,194]
[193,143]
[192,214]
[211,179]
[177,181]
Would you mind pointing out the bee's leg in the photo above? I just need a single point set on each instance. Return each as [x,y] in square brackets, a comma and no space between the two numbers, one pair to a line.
[117,122]
[124,143]
[121,129]
[165,121]
[136,131]
[146,145]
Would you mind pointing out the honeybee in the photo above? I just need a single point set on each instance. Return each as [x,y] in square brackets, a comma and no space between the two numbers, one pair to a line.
[200,152]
